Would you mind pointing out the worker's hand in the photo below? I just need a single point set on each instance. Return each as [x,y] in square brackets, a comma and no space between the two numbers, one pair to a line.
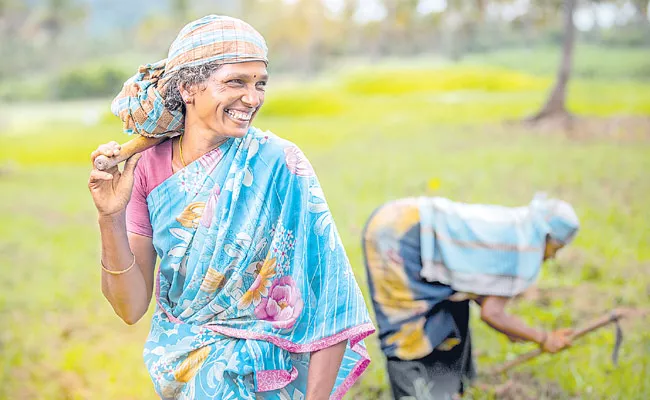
[111,189]
[557,340]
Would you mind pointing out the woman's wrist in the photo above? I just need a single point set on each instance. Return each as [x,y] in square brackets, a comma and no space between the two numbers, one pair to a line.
[117,216]
[542,337]
[117,271]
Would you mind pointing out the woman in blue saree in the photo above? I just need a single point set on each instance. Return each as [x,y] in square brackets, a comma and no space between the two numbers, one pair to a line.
[255,297]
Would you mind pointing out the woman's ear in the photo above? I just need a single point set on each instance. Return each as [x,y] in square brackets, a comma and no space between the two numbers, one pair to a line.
[187,93]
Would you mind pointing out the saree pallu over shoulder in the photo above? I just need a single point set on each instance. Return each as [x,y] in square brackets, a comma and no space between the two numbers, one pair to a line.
[253,277]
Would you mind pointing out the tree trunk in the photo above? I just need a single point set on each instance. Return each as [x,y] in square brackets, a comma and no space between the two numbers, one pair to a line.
[641,7]
[387,30]
[480,7]
[315,18]
[556,103]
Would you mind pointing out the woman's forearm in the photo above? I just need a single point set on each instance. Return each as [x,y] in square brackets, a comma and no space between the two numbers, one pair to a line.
[323,368]
[514,327]
[126,292]
[493,313]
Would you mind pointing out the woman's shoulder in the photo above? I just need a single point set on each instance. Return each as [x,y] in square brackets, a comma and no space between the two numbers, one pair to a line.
[279,151]
[159,153]
[155,165]
[271,145]
[271,139]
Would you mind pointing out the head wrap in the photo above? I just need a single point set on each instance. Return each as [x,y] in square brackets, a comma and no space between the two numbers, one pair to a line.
[560,217]
[213,38]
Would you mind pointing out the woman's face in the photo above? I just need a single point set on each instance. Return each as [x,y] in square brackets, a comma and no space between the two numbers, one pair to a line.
[552,246]
[229,100]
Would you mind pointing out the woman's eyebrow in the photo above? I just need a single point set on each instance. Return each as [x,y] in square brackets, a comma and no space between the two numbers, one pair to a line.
[236,75]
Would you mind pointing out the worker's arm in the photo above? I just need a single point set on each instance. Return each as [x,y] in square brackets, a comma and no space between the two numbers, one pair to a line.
[493,313]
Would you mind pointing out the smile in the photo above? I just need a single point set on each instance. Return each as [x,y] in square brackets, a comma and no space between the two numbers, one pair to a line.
[240,116]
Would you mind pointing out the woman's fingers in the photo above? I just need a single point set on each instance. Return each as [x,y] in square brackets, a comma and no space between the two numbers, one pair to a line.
[110,149]
[129,168]
[98,177]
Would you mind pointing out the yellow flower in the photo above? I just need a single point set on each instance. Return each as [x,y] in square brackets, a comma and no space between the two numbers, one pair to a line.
[191,364]
[433,184]
[213,280]
[261,285]
[191,216]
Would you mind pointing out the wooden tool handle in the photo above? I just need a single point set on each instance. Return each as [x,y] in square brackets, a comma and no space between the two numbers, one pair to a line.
[133,146]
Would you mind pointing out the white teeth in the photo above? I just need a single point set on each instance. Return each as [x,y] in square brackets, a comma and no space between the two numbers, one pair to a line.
[239,115]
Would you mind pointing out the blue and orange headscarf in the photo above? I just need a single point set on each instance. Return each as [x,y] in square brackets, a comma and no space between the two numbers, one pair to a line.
[211,39]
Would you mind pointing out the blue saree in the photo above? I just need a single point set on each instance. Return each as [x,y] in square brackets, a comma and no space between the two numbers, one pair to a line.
[252,278]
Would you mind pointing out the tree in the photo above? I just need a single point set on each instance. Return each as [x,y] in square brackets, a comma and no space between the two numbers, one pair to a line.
[641,7]
[555,105]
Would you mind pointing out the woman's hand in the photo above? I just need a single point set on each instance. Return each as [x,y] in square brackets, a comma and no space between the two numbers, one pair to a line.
[111,189]
[557,340]
[493,313]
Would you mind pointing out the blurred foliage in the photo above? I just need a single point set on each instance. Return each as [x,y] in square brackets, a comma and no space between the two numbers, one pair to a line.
[104,77]
[391,82]
[90,81]
[588,61]
[97,78]
[303,36]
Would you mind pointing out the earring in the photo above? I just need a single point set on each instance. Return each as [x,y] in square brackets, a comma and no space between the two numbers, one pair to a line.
[188,101]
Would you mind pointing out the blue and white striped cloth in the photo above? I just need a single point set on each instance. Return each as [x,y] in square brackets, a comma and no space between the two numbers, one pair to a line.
[489,249]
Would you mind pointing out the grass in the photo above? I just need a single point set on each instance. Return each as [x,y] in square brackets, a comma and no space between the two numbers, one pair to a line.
[371,137]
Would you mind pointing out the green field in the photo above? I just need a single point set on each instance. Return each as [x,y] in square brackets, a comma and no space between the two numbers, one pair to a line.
[372,135]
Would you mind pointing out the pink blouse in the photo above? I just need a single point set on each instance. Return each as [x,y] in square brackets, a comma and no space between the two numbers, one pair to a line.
[154,167]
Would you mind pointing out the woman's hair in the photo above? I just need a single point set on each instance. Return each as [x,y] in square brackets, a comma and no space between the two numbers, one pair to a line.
[188,77]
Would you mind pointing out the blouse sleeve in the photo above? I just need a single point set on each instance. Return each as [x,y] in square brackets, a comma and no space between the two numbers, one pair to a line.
[137,212]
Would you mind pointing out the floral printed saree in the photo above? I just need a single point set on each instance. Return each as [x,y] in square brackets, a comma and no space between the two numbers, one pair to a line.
[252,279]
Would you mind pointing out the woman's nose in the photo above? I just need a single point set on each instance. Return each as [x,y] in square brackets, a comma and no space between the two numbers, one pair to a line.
[252,98]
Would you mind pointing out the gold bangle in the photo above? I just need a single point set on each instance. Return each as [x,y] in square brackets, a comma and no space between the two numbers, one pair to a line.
[124,271]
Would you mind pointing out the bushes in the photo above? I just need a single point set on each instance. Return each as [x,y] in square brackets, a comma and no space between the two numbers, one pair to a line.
[90,80]
[97,80]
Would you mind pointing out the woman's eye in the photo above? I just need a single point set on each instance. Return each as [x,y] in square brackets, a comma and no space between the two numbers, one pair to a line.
[261,85]
[236,82]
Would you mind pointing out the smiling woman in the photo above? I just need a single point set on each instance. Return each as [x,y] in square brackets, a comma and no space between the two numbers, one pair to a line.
[255,295]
